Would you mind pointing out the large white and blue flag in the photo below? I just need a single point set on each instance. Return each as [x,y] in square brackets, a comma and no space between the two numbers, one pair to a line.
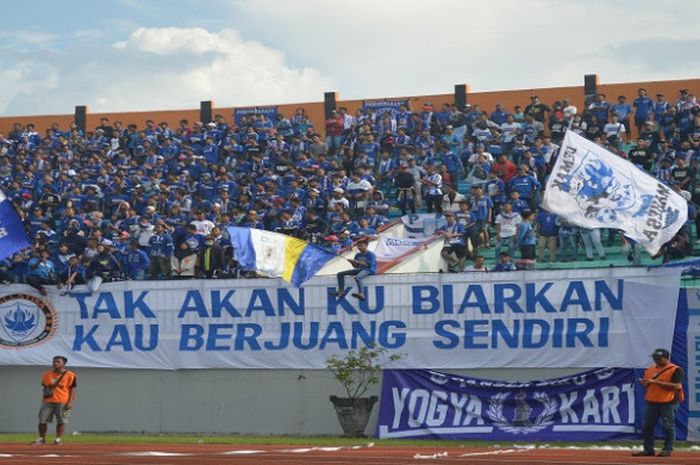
[594,188]
[13,236]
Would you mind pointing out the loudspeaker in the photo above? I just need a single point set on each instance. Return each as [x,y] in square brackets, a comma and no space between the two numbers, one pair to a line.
[460,96]
[590,88]
[205,111]
[80,117]
[329,103]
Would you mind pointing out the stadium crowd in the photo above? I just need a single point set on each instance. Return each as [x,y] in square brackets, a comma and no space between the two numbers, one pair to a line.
[123,202]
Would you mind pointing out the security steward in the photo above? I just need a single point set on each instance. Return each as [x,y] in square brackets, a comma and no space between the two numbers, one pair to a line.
[664,391]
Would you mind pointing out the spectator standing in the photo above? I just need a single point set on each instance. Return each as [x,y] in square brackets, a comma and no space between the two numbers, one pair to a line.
[527,240]
[548,232]
[591,241]
[623,111]
[643,108]
[433,190]
[537,110]
[136,262]
[161,250]
[507,223]
[663,382]
[59,386]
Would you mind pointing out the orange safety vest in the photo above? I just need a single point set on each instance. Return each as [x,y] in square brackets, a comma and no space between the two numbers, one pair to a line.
[661,395]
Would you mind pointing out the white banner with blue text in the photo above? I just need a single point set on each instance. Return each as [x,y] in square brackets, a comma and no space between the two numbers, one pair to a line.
[563,318]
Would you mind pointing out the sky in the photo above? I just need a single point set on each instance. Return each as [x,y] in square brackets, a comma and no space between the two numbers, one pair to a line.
[140,55]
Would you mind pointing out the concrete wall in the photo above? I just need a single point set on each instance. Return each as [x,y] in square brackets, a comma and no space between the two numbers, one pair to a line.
[264,402]
[315,110]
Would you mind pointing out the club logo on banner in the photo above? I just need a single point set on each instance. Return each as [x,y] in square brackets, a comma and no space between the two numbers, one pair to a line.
[594,405]
[26,320]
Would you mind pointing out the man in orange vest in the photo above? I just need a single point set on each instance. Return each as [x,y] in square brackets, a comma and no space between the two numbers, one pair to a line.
[58,396]
[664,390]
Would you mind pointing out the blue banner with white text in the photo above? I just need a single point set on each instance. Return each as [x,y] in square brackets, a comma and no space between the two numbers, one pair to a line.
[594,405]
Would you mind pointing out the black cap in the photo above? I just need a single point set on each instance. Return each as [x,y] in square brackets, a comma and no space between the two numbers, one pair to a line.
[660,353]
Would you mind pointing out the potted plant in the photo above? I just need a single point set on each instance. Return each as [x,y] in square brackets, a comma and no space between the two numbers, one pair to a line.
[357,371]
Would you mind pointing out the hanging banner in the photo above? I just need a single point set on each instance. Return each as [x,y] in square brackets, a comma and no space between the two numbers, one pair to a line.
[389,247]
[422,225]
[561,318]
[382,106]
[592,406]
[269,112]
[692,344]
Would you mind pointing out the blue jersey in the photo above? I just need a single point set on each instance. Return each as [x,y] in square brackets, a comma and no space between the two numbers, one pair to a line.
[622,110]
[369,260]
[642,108]
[547,223]
[526,234]
[496,189]
[525,185]
[458,229]
[161,245]
[481,208]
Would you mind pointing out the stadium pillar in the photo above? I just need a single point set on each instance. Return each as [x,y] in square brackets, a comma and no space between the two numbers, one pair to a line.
[590,88]
[205,111]
[460,97]
[80,117]
[330,100]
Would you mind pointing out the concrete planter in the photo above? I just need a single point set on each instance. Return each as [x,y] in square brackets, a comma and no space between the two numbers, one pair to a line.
[353,414]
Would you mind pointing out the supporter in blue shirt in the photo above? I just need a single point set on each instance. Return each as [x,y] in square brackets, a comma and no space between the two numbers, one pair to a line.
[600,109]
[499,116]
[643,107]
[365,264]
[526,185]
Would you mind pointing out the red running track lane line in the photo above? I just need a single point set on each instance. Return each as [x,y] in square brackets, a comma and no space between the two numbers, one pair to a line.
[208,454]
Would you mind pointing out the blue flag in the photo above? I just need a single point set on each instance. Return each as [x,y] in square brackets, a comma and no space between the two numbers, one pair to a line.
[13,237]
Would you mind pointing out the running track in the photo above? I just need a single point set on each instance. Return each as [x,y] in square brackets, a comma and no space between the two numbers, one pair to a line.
[208,454]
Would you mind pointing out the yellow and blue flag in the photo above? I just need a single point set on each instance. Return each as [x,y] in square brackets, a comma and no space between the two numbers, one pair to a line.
[276,255]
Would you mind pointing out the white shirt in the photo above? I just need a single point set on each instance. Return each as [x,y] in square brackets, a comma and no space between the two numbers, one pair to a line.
[509,224]
[436,187]
[614,129]
[361,185]
[510,130]
[204,227]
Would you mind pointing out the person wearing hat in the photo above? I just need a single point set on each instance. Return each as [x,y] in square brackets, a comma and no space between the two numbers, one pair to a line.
[365,264]
[663,382]
[537,109]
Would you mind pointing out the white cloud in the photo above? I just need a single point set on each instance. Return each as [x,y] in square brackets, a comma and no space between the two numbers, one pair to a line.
[161,68]
[276,51]
[410,47]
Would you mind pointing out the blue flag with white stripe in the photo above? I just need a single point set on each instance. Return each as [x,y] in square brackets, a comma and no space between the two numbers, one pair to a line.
[13,236]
